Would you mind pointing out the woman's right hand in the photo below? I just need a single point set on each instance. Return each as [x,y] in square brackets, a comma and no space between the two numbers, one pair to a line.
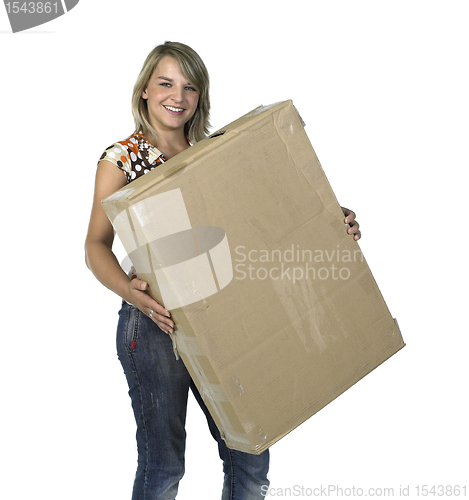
[142,300]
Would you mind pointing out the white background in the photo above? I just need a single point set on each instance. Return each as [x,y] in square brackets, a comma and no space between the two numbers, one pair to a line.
[382,87]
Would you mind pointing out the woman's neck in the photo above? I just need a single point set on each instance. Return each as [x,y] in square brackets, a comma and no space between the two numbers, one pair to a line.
[172,144]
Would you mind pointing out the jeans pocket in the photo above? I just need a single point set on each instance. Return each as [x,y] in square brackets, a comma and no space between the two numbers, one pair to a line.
[127,328]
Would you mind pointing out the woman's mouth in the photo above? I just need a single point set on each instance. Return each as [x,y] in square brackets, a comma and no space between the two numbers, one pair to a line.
[173,110]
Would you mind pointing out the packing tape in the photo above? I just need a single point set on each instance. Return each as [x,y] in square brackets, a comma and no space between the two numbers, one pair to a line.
[159,216]
[212,393]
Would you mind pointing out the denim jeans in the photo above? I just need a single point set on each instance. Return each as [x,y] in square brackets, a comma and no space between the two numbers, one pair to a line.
[158,388]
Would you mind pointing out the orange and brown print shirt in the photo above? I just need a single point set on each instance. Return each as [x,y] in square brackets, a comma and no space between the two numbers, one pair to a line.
[135,156]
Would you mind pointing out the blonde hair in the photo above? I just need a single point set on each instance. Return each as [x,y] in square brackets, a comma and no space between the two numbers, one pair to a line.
[193,68]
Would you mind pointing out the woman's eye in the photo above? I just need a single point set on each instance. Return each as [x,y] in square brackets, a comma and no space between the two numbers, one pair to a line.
[192,89]
[165,84]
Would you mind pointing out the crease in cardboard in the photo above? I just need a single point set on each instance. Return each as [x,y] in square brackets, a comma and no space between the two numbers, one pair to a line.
[288,128]
[296,228]
[283,123]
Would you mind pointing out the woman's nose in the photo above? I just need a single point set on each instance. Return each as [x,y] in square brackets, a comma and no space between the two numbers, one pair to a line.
[178,94]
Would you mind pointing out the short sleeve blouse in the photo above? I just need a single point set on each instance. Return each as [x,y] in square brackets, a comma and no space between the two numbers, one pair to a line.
[135,156]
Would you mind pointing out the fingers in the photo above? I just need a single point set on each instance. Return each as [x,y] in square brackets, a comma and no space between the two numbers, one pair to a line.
[160,316]
[150,307]
[354,228]
[347,211]
[349,215]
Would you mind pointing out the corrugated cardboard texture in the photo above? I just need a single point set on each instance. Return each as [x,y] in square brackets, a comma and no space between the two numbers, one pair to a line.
[296,318]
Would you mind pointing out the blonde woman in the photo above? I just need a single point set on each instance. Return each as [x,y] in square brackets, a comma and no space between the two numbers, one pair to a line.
[171,108]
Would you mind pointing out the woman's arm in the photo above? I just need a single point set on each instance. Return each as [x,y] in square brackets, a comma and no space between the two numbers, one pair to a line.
[100,258]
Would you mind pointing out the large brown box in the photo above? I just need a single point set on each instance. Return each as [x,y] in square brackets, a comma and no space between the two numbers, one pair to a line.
[242,238]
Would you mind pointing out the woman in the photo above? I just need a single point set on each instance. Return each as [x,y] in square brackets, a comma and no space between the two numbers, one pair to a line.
[171,107]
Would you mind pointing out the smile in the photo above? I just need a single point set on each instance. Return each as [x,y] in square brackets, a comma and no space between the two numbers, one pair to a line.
[174,110]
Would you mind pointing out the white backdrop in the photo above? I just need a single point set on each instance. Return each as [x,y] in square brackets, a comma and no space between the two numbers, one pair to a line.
[382,87]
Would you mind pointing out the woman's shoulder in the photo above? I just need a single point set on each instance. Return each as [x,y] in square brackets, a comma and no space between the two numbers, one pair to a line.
[135,156]
[114,152]
[123,154]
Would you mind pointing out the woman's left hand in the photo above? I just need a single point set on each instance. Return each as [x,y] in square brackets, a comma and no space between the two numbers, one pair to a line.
[354,225]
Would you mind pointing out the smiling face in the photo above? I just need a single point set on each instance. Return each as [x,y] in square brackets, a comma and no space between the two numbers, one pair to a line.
[171,99]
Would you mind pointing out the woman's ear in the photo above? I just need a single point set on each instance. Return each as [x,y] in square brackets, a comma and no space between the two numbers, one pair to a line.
[144,94]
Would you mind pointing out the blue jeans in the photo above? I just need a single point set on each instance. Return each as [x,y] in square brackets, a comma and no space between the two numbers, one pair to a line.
[158,387]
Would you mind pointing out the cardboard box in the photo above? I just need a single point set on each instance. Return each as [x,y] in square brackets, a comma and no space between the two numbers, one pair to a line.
[242,238]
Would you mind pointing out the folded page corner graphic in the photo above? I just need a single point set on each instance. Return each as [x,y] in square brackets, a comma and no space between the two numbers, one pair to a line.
[26,15]
[69,4]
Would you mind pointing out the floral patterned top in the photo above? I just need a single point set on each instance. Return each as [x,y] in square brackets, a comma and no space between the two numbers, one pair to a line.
[135,156]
